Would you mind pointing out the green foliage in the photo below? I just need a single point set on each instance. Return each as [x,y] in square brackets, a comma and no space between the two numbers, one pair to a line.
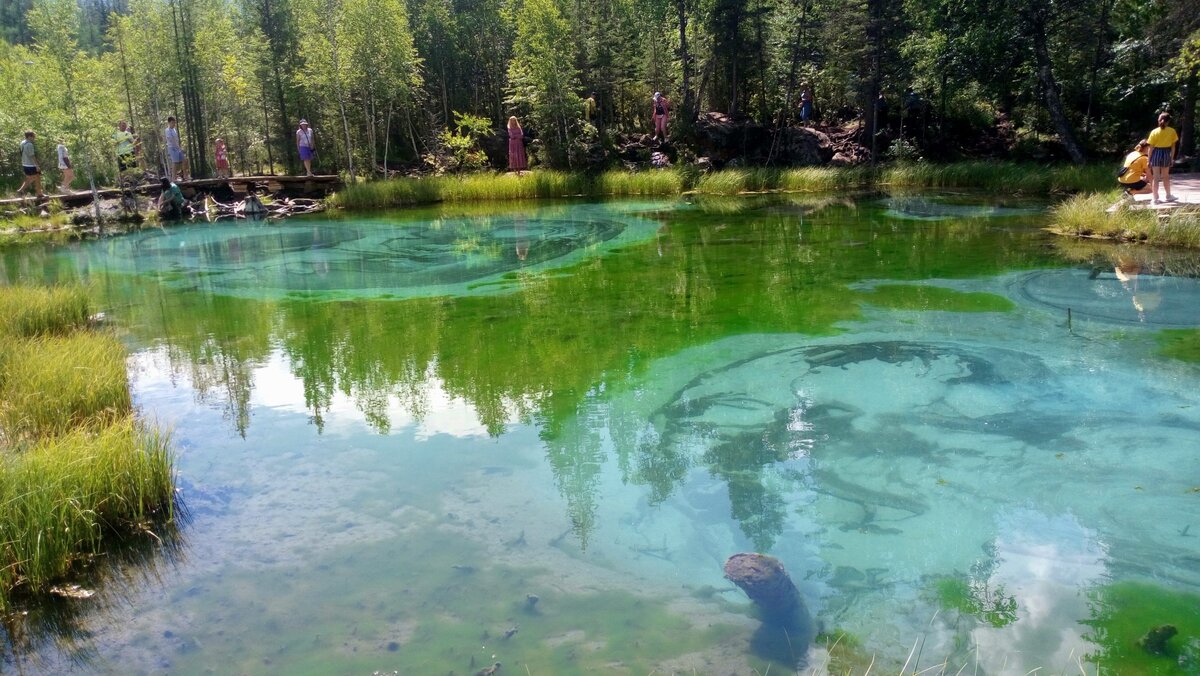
[460,149]
[542,77]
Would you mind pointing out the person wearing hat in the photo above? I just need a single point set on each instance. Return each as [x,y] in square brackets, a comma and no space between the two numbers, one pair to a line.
[304,143]
[661,109]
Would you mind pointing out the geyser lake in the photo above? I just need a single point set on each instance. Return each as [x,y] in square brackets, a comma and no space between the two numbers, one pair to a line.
[428,441]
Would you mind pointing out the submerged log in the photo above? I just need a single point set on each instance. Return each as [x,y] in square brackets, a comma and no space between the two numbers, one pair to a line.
[765,581]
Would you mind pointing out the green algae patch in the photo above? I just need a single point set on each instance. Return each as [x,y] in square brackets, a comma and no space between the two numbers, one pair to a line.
[922,297]
[1181,344]
[1122,615]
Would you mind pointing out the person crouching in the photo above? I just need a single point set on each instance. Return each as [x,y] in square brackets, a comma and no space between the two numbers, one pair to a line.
[1136,166]
[171,204]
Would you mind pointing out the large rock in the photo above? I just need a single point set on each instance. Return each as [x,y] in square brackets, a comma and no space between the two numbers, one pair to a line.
[723,139]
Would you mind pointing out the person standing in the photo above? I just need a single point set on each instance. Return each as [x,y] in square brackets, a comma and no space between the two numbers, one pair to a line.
[660,111]
[29,165]
[806,105]
[517,161]
[64,165]
[305,144]
[177,160]
[1162,142]
[222,155]
[125,145]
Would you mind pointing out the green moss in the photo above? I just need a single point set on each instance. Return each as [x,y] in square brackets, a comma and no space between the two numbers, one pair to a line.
[1122,613]
[846,652]
[924,297]
[1181,344]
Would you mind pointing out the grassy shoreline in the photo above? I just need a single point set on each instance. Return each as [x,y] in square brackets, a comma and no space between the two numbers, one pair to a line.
[1007,177]
[77,469]
[1086,216]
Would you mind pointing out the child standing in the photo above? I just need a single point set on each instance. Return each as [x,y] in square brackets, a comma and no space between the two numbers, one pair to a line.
[30,166]
[222,158]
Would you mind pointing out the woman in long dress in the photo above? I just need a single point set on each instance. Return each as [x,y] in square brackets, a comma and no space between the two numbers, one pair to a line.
[516,147]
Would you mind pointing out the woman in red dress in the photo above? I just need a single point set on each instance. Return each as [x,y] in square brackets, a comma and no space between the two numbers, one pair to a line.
[516,147]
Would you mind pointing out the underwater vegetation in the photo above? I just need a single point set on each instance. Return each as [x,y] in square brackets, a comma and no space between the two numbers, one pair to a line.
[1126,619]
[1181,344]
[925,297]
[977,599]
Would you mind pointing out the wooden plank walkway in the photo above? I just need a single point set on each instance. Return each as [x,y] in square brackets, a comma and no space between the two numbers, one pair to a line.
[304,184]
[1184,186]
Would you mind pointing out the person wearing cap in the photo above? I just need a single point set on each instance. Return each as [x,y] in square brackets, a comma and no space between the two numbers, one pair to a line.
[661,109]
[304,143]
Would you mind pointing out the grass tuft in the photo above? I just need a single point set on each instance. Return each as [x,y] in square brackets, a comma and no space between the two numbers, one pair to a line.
[1086,215]
[29,311]
[60,497]
[50,385]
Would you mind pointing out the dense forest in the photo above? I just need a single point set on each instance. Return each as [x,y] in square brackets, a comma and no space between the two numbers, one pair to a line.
[417,84]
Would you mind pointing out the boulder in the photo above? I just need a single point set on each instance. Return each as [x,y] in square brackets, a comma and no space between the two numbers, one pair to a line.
[723,139]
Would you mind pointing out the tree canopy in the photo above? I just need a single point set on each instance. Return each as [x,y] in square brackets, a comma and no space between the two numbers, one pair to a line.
[381,81]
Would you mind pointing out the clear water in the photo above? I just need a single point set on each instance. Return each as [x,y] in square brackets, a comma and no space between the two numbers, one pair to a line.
[955,433]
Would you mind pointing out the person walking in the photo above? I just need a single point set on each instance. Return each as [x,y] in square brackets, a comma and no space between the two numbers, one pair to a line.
[177,161]
[125,146]
[222,155]
[305,144]
[517,161]
[29,165]
[64,166]
[660,111]
[1162,142]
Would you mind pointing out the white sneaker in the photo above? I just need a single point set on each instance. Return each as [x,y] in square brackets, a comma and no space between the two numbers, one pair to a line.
[1154,201]
[1172,198]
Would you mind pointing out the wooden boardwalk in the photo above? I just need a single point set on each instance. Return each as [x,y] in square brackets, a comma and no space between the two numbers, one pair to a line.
[302,185]
[1184,186]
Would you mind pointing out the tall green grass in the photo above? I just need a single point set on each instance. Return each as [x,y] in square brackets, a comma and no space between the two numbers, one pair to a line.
[1005,177]
[75,467]
[481,187]
[51,384]
[1086,215]
[35,311]
[60,499]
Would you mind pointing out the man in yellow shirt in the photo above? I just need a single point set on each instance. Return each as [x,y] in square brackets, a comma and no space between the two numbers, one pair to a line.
[123,142]
[1136,163]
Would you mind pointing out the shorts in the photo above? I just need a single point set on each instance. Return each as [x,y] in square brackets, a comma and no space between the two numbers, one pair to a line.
[1160,157]
[306,154]
[176,155]
[31,171]
[1136,185]
[125,162]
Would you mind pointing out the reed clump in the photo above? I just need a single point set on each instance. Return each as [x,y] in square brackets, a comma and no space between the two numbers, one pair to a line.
[1086,215]
[38,311]
[52,384]
[76,469]
[62,497]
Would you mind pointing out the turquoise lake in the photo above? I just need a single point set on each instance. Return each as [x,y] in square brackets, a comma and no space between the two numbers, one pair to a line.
[427,441]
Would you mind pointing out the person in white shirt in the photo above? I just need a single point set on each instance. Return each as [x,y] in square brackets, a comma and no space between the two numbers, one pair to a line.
[304,143]
[64,165]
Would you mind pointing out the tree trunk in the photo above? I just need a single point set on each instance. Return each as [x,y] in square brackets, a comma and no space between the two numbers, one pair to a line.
[1101,33]
[1054,106]
[687,111]
[1187,117]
